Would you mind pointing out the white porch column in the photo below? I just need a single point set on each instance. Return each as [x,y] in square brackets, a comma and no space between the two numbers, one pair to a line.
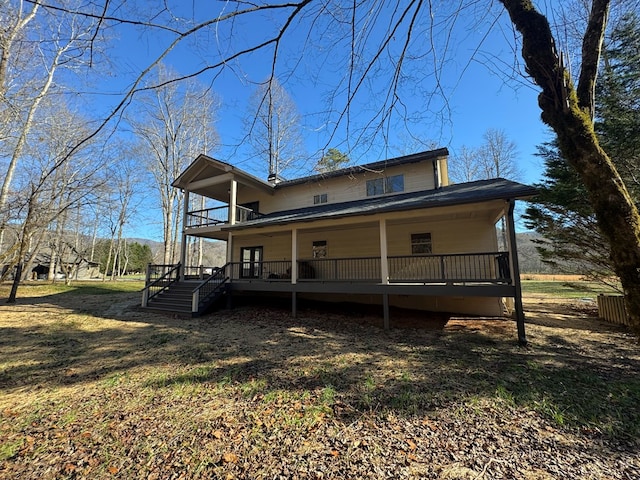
[384,265]
[230,248]
[294,256]
[384,271]
[294,271]
[183,245]
[233,193]
[230,269]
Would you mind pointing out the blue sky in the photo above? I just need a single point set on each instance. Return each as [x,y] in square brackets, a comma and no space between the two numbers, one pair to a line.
[478,100]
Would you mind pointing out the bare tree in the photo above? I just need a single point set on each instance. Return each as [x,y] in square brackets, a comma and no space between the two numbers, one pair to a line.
[34,47]
[53,183]
[496,157]
[381,39]
[124,178]
[464,165]
[274,129]
[174,123]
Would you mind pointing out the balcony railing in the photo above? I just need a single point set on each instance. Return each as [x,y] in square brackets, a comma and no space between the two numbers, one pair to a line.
[219,215]
[492,267]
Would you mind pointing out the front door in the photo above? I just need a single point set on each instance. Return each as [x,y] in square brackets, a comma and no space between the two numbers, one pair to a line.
[251,262]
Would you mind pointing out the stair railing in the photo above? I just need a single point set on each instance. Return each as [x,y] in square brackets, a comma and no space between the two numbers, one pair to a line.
[160,284]
[209,288]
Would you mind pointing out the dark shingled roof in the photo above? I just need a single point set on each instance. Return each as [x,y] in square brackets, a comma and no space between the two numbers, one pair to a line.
[459,194]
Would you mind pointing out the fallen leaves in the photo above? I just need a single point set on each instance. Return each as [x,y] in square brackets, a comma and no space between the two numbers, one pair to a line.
[297,409]
[230,457]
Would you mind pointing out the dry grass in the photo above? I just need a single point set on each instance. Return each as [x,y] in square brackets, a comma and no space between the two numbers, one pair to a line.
[94,387]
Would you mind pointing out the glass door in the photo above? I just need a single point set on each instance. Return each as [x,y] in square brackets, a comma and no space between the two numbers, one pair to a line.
[251,262]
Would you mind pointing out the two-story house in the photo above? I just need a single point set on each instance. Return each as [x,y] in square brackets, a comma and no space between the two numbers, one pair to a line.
[393,233]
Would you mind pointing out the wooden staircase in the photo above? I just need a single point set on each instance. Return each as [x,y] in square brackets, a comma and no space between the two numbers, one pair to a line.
[177,298]
[166,291]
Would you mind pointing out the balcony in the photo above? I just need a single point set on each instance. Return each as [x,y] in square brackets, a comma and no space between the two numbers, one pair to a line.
[209,217]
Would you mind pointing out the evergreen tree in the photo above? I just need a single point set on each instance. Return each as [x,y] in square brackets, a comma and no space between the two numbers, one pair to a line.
[334,159]
[572,241]
[618,105]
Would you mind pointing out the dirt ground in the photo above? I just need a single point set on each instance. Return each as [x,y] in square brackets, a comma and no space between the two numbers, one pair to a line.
[95,387]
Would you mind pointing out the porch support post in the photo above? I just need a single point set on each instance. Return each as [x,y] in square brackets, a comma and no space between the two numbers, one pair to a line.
[233,201]
[515,274]
[294,256]
[294,271]
[384,270]
[183,245]
[230,252]
[384,265]
[385,310]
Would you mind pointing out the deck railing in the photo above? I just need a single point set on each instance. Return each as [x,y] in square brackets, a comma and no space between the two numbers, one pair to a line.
[219,215]
[159,278]
[273,270]
[207,288]
[198,272]
[452,268]
[361,269]
[491,267]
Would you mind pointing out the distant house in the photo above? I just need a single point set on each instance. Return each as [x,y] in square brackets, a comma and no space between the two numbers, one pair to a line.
[392,232]
[74,267]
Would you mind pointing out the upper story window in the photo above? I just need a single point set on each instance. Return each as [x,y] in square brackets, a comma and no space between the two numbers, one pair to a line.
[380,186]
[420,243]
[320,249]
[322,198]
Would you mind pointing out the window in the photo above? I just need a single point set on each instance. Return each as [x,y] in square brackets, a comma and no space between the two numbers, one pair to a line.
[380,186]
[322,198]
[420,243]
[320,249]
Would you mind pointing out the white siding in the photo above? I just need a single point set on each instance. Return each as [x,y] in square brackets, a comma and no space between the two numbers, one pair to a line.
[275,247]
[417,177]
[345,243]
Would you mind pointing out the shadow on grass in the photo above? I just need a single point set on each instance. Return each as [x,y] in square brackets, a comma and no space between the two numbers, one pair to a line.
[413,371]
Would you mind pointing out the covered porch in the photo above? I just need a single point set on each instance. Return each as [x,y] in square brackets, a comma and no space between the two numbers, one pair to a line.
[441,259]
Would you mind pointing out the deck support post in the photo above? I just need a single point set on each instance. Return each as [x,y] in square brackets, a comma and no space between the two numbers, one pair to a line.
[515,274]
[294,304]
[385,310]
[183,246]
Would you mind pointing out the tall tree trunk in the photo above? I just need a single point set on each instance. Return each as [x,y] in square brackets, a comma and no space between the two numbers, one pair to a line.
[22,140]
[569,111]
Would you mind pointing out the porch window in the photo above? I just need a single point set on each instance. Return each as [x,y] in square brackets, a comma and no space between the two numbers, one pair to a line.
[251,262]
[380,186]
[320,249]
[322,198]
[420,243]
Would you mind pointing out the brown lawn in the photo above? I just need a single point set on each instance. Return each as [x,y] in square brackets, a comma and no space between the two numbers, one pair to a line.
[94,387]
